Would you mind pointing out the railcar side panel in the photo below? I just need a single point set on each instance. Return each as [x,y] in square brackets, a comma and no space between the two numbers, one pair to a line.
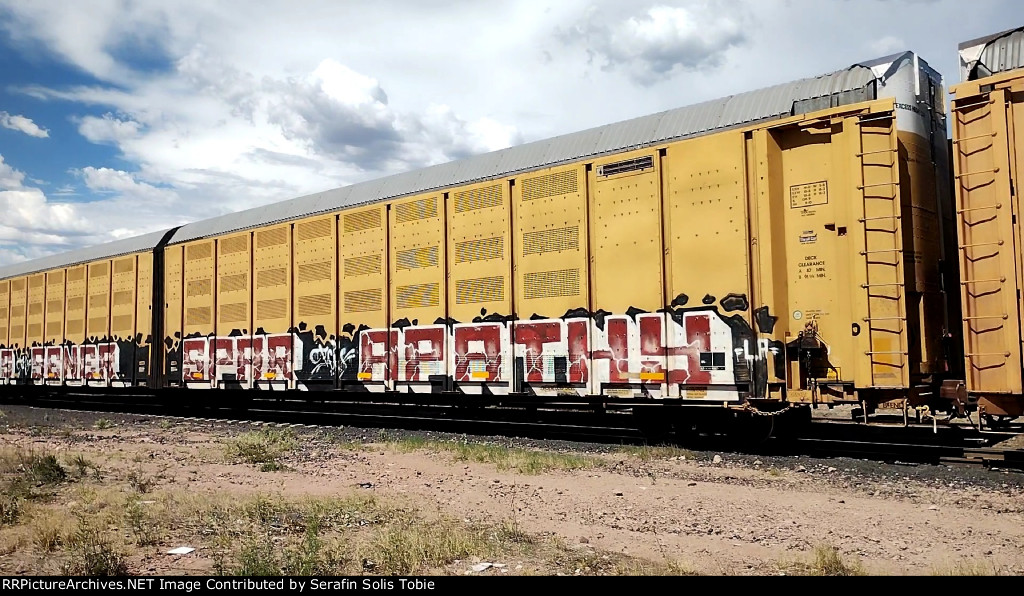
[19,299]
[272,339]
[231,347]
[6,354]
[143,341]
[35,322]
[315,355]
[419,288]
[76,293]
[97,354]
[173,313]
[53,340]
[200,270]
[627,277]
[123,302]
[480,294]
[366,359]
[552,299]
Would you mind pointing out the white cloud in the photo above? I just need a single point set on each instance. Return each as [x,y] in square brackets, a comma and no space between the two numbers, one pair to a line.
[108,128]
[23,124]
[663,40]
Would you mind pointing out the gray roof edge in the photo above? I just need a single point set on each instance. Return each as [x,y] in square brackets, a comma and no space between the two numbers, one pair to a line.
[109,250]
[987,39]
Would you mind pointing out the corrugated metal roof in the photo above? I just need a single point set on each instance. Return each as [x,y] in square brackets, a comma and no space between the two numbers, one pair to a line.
[849,85]
[702,118]
[986,56]
[91,253]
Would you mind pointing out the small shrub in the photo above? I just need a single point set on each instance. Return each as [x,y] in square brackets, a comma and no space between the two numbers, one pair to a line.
[140,482]
[45,469]
[142,527]
[261,447]
[91,554]
[10,510]
[258,558]
[828,561]
[81,465]
[48,536]
[103,424]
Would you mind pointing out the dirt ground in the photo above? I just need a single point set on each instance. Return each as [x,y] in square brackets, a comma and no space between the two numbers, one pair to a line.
[710,514]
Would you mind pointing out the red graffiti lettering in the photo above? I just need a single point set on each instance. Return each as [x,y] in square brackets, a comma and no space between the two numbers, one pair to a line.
[422,353]
[272,357]
[478,353]
[37,355]
[377,362]
[698,339]
[6,364]
[54,367]
[195,361]
[73,363]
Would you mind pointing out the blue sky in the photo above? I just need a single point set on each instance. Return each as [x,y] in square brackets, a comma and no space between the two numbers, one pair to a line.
[160,113]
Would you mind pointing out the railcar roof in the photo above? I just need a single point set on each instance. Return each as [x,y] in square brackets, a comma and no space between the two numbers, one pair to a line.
[848,86]
[992,54]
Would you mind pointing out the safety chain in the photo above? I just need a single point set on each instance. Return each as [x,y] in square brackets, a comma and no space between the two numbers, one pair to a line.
[757,412]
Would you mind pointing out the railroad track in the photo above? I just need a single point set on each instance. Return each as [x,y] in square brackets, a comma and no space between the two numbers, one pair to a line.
[824,438]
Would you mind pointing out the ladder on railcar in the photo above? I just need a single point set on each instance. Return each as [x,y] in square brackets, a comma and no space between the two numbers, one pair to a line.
[883,252]
[985,241]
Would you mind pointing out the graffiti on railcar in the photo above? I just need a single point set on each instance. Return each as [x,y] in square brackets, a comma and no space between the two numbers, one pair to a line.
[173,358]
[420,353]
[196,361]
[7,360]
[37,355]
[553,351]
[480,352]
[272,356]
[316,361]
[376,360]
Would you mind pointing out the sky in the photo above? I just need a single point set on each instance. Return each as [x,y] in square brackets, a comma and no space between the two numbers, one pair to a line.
[121,117]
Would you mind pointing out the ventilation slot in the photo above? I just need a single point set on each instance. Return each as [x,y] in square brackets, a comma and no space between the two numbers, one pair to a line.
[76,274]
[53,328]
[54,307]
[357,222]
[309,272]
[35,308]
[121,324]
[76,303]
[18,285]
[478,198]
[196,252]
[233,245]
[124,265]
[236,312]
[365,265]
[362,300]
[416,210]
[480,250]
[3,335]
[35,330]
[551,284]
[123,298]
[269,278]
[75,327]
[198,316]
[98,326]
[4,288]
[272,309]
[52,279]
[17,332]
[3,314]
[418,296]
[199,287]
[557,240]
[311,230]
[274,237]
[481,289]
[629,165]
[416,258]
[36,281]
[551,185]
[318,305]
[233,283]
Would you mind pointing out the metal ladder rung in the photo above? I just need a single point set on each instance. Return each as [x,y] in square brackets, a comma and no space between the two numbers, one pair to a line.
[868,252]
[996,206]
[889,353]
[877,152]
[982,281]
[957,141]
[862,187]
[867,319]
[867,219]
[896,284]
[992,171]
[984,317]
[981,354]
[974,105]
[977,244]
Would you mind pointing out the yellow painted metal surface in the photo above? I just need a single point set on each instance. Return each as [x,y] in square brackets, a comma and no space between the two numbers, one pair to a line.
[417,264]
[19,300]
[144,301]
[173,309]
[479,263]
[199,282]
[272,273]
[97,324]
[5,311]
[123,299]
[551,269]
[706,219]
[54,332]
[74,309]
[625,232]
[987,150]
[234,265]
[315,274]
[36,308]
